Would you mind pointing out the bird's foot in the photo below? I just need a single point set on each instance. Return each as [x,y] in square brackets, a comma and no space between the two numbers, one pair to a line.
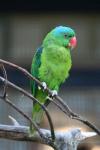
[48,98]
[54,93]
[44,85]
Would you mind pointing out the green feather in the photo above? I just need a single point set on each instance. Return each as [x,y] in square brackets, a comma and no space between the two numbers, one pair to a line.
[36,62]
[55,65]
[37,112]
[51,64]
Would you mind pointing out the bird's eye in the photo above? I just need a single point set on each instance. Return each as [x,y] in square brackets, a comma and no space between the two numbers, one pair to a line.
[65,35]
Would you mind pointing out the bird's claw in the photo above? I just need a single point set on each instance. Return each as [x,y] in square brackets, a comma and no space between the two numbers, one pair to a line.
[44,85]
[54,93]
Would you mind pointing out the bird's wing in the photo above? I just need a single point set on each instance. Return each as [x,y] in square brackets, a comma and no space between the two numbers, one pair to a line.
[36,62]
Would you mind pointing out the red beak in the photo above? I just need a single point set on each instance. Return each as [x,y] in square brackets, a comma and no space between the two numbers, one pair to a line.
[73,42]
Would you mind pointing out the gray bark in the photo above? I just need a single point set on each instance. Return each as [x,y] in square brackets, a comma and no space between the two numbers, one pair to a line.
[67,140]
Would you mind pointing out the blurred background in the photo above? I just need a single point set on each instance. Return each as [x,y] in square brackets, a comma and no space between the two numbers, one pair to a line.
[23,25]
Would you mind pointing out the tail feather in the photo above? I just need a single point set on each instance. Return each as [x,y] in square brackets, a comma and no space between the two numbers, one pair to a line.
[37,113]
[37,118]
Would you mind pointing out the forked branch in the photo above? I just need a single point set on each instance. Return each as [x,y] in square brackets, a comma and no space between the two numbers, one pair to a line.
[67,140]
[60,103]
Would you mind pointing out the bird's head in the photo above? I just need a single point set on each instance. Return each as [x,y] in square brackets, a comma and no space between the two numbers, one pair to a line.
[64,36]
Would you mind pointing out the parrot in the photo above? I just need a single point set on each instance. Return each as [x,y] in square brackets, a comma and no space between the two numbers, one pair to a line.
[51,65]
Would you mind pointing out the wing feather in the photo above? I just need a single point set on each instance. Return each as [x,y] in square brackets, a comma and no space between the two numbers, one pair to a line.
[36,62]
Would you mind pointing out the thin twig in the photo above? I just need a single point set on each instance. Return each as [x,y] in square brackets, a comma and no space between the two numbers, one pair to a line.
[44,138]
[65,108]
[60,107]
[14,121]
[69,112]
[77,117]
[5,76]
[23,114]
[32,78]
[33,99]
[86,122]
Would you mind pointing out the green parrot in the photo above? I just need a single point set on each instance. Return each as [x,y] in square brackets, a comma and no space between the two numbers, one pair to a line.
[51,65]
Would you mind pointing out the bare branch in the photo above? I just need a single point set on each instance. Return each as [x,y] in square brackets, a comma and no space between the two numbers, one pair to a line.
[33,99]
[66,107]
[86,122]
[59,106]
[45,139]
[14,121]
[76,117]
[20,133]
[67,140]
[63,107]
[5,76]
[22,113]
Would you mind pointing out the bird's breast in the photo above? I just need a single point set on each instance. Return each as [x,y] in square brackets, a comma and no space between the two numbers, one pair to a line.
[55,66]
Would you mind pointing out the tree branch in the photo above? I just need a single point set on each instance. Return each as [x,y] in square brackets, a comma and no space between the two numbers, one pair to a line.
[68,111]
[62,105]
[5,76]
[49,141]
[14,121]
[60,140]
[67,140]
